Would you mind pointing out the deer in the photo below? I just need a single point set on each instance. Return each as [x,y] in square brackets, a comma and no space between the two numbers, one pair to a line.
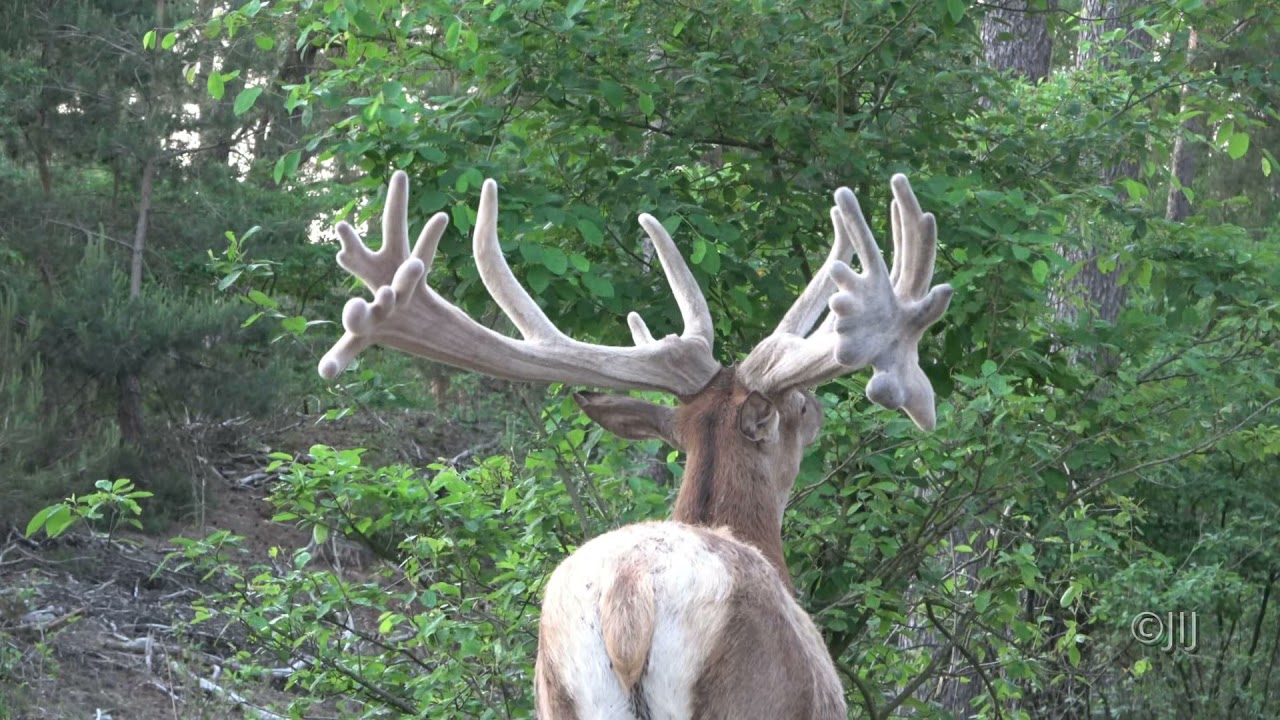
[695,616]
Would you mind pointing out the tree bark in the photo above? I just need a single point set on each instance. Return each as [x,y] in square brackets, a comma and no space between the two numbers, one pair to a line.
[129,410]
[1099,292]
[140,231]
[1183,160]
[1026,47]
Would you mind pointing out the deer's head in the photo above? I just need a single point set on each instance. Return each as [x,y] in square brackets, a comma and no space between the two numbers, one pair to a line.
[744,427]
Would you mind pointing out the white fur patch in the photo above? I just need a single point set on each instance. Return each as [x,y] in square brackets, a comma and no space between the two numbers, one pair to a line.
[691,586]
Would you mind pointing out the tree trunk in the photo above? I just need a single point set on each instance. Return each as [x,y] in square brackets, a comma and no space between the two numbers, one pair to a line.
[1097,291]
[140,232]
[129,410]
[1025,47]
[1183,161]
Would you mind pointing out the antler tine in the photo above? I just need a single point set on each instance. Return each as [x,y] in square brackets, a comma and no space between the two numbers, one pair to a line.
[918,231]
[812,303]
[404,309]
[877,316]
[497,276]
[689,298]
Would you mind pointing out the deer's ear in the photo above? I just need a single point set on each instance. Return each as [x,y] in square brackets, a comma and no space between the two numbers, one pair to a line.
[758,418]
[630,418]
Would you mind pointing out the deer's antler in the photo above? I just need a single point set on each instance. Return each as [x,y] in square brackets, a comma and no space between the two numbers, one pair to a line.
[408,315]
[877,316]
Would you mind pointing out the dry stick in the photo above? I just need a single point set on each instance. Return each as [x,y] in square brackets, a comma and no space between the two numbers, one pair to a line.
[977,665]
[924,675]
[469,452]
[230,696]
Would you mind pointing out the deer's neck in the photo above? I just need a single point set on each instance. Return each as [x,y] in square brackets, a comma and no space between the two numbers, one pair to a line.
[721,490]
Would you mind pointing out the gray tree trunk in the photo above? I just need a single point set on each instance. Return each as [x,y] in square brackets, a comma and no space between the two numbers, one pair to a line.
[1015,37]
[1183,161]
[129,408]
[1098,292]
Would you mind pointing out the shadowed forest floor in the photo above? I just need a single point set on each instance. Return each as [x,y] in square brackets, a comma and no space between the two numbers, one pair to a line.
[97,623]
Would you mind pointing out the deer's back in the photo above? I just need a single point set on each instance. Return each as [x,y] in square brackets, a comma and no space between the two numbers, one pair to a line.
[723,637]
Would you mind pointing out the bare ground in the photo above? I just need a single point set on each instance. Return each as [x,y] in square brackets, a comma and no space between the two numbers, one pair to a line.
[93,627]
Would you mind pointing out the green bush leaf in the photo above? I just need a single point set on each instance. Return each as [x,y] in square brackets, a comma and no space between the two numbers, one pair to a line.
[214,84]
[590,232]
[555,260]
[38,521]
[246,99]
[1238,145]
[1040,271]
[59,520]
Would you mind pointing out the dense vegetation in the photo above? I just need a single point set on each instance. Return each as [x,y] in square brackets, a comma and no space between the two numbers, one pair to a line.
[1108,427]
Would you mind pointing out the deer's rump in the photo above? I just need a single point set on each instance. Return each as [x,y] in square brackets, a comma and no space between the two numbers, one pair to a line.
[667,621]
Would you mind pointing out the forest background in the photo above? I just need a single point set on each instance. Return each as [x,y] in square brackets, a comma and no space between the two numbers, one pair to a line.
[1107,446]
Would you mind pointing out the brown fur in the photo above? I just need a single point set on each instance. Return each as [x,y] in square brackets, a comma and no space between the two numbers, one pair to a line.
[733,481]
[627,620]
[551,697]
[764,667]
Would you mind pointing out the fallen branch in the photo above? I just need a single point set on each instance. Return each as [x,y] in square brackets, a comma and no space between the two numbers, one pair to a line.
[465,454]
[230,696]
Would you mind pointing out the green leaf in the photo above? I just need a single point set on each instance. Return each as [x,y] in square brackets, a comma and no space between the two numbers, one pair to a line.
[246,99]
[296,325]
[260,298]
[956,9]
[575,7]
[1040,271]
[168,41]
[590,232]
[539,279]
[451,35]
[1069,596]
[215,84]
[471,177]
[1266,167]
[59,520]
[599,287]
[319,533]
[149,40]
[555,260]
[231,277]
[646,105]
[613,93]
[287,165]
[1143,275]
[38,521]
[1238,145]
[699,251]
[266,42]
[1136,190]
